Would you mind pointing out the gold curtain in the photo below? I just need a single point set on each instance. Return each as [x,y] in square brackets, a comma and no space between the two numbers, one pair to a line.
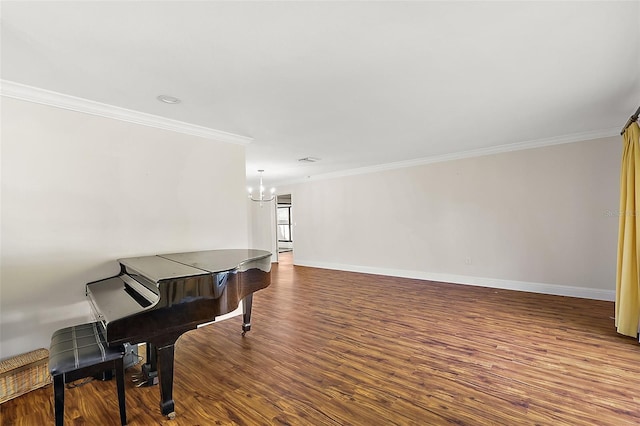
[627,284]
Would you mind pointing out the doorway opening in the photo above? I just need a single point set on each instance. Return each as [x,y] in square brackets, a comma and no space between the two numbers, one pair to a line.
[284,224]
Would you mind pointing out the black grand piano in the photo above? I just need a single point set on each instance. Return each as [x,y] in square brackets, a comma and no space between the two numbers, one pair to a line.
[155,299]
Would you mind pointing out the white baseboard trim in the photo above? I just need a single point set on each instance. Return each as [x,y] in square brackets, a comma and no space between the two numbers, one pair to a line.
[532,287]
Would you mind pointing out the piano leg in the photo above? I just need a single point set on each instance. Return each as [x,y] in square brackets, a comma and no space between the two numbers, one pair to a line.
[160,360]
[246,313]
[165,374]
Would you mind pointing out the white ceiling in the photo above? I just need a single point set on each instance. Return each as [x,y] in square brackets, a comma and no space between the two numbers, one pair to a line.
[356,84]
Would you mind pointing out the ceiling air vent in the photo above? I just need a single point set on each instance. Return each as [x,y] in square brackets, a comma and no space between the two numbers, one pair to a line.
[308,159]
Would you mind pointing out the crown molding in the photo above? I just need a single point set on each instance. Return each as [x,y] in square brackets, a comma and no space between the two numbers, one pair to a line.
[492,150]
[23,92]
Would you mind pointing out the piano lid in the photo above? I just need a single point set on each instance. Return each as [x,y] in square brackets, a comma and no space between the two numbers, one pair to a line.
[157,268]
[217,260]
[176,265]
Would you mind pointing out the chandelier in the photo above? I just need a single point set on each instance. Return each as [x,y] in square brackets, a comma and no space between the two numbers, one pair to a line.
[261,199]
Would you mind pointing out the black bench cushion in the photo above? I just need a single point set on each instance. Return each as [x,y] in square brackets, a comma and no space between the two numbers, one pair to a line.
[80,346]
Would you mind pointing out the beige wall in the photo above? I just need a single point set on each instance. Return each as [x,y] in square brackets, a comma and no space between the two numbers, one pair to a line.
[80,191]
[540,220]
[262,219]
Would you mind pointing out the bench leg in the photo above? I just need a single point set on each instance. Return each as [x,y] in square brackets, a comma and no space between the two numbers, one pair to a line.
[58,398]
[119,364]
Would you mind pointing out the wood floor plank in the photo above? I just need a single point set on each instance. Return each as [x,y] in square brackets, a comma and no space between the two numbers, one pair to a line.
[336,348]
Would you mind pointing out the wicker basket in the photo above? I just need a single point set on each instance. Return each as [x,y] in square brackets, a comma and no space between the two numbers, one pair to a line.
[24,373]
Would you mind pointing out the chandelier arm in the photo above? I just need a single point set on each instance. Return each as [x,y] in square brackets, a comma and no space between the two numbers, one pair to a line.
[273,197]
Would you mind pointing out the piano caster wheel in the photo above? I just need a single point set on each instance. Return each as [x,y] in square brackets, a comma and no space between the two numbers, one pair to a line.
[245,328]
[171,415]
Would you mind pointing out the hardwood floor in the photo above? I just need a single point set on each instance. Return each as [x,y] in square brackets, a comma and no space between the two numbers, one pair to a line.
[336,348]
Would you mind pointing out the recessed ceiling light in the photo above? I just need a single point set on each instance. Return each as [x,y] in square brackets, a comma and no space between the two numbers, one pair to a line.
[168,99]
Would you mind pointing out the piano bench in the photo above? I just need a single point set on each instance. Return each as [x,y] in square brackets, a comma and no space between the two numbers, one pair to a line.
[78,352]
